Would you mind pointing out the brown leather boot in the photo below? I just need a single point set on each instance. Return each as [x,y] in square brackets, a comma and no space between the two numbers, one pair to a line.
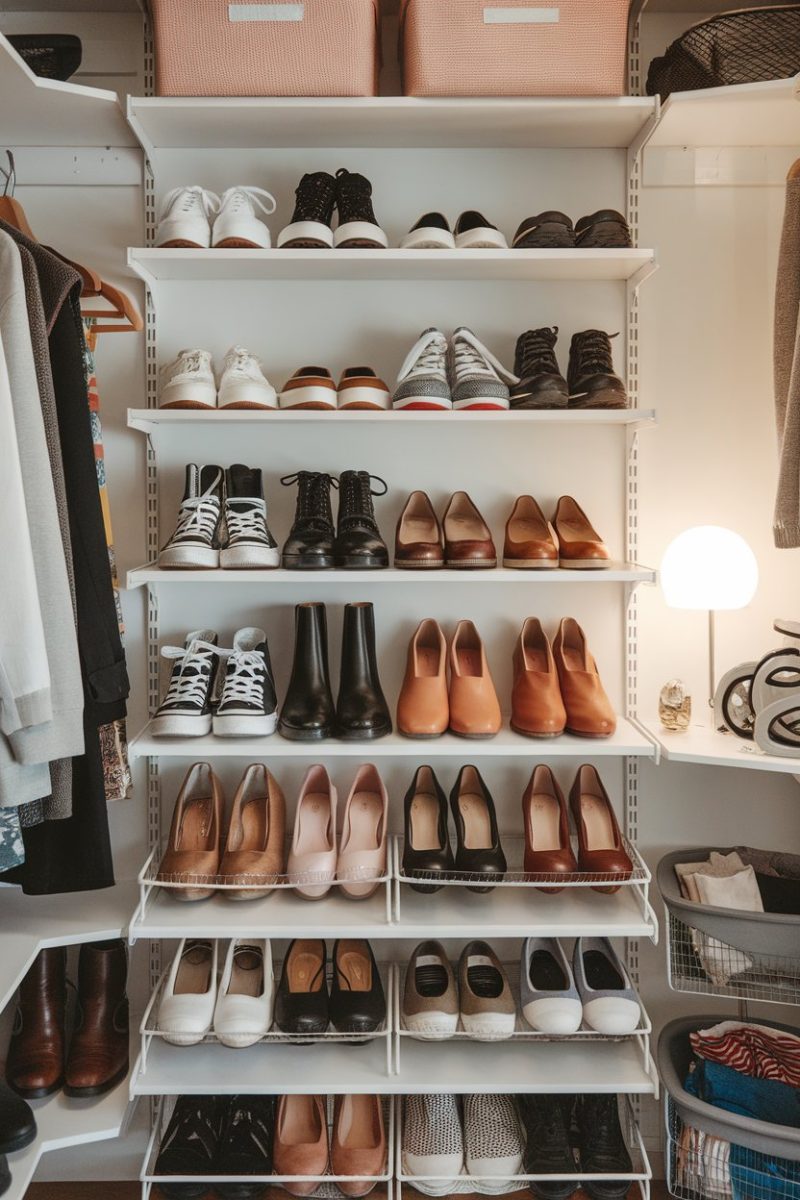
[98,1053]
[35,1065]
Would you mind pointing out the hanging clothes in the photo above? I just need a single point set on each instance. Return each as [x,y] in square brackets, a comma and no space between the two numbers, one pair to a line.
[786,354]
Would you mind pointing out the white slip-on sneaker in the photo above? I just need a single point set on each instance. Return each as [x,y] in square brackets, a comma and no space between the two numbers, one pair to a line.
[423,381]
[433,1142]
[492,1139]
[431,232]
[610,1003]
[243,384]
[237,225]
[244,1003]
[310,387]
[360,387]
[548,995]
[250,545]
[194,545]
[186,216]
[186,1008]
[188,381]
[478,380]
[185,711]
[248,706]
[473,232]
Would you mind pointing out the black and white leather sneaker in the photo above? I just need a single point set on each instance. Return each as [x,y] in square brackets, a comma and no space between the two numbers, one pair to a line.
[248,706]
[474,232]
[311,224]
[250,545]
[358,226]
[195,542]
[185,711]
[431,232]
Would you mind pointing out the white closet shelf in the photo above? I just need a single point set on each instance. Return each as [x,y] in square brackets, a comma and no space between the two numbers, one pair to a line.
[590,122]
[748,114]
[335,1070]
[151,420]
[156,265]
[453,912]
[706,746]
[47,112]
[153,576]
[626,741]
[32,923]
[61,1123]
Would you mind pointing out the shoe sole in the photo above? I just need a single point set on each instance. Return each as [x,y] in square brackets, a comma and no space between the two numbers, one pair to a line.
[419,566]
[181,244]
[362,563]
[355,235]
[547,400]
[422,404]
[428,238]
[190,895]
[306,235]
[99,1089]
[421,737]
[35,1093]
[22,1140]
[489,1027]
[249,558]
[364,397]
[481,239]
[304,735]
[584,564]
[475,737]
[181,726]
[363,735]
[531,564]
[529,732]
[302,563]
[189,558]
[242,725]
[471,564]
[315,396]
[239,243]
[480,404]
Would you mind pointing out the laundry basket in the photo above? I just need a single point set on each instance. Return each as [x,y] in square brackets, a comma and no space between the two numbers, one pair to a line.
[514,48]
[761,1162]
[727,951]
[312,48]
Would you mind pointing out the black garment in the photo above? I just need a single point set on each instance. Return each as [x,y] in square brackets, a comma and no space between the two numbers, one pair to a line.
[75,854]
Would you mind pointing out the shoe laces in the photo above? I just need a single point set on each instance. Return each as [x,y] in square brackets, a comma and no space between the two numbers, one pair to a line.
[245,673]
[536,352]
[239,361]
[188,683]
[316,196]
[313,495]
[355,498]
[470,357]
[428,356]
[188,362]
[245,516]
[354,196]
[198,515]
[245,198]
[592,352]
[191,200]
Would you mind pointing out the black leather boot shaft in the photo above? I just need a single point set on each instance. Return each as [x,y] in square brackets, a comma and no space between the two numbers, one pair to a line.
[361,711]
[308,713]
[358,540]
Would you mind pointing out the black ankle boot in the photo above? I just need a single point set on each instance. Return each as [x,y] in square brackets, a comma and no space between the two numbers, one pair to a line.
[358,540]
[591,377]
[308,714]
[361,711]
[309,546]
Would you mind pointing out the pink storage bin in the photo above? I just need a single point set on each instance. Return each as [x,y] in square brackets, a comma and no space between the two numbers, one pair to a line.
[514,48]
[309,48]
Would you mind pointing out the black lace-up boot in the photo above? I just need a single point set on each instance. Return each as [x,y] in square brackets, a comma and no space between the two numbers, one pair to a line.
[310,227]
[591,377]
[547,1148]
[309,546]
[358,540]
[358,225]
[601,1146]
[541,384]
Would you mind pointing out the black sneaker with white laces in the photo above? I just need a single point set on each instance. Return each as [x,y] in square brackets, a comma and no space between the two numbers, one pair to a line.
[246,1145]
[185,711]
[541,384]
[248,705]
[195,542]
[249,545]
[358,225]
[190,1144]
[310,226]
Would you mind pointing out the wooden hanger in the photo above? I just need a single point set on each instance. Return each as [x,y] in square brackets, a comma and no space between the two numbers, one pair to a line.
[11,211]
[121,310]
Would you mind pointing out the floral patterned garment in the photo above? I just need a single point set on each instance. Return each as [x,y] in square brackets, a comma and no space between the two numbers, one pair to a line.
[12,849]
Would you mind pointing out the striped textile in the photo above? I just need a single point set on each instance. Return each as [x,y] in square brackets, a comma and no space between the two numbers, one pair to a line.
[755,1050]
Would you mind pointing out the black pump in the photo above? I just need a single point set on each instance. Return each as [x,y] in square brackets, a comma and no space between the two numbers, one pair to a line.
[361,710]
[308,713]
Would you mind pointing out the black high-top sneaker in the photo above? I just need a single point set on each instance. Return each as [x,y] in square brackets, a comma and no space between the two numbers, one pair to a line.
[195,542]
[309,546]
[248,706]
[601,1146]
[358,225]
[185,711]
[358,539]
[541,384]
[590,375]
[310,227]
[250,544]
[603,230]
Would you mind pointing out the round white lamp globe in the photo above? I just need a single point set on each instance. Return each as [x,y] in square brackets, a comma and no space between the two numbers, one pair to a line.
[708,567]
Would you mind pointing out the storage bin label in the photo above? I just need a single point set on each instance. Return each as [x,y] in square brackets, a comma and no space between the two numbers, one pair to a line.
[266,12]
[521,16]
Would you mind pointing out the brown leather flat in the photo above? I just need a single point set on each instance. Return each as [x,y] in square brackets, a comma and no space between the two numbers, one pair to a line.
[468,541]
[530,540]
[548,849]
[423,709]
[193,848]
[537,709]
[600,847]
[358,1142]
[300,1145]
[581,547]
[418,538]
[589,710]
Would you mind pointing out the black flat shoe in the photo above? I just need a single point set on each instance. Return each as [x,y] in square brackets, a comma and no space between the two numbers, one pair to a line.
[362,713]
[547,1148]
[190,1144]
[17,1122]
[601,1146]
[309,546]
[478,849]
[301,1001]
[246,1146]
[358,1003]
[426,845]
[308,714]
[358,544]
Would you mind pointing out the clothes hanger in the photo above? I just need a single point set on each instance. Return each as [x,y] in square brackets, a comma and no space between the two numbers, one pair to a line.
[11,211]
[121,310]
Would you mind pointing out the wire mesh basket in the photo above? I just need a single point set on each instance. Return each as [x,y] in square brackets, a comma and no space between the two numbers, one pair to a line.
[380,1187]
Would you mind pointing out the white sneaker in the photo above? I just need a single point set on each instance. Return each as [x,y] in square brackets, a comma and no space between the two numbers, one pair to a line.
[423,382]
[237,225]
[243,384]
[244,1005]
[433,1142]
[188,381]
[186,218]
[186,1009]
[492,1139]
[478,380]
